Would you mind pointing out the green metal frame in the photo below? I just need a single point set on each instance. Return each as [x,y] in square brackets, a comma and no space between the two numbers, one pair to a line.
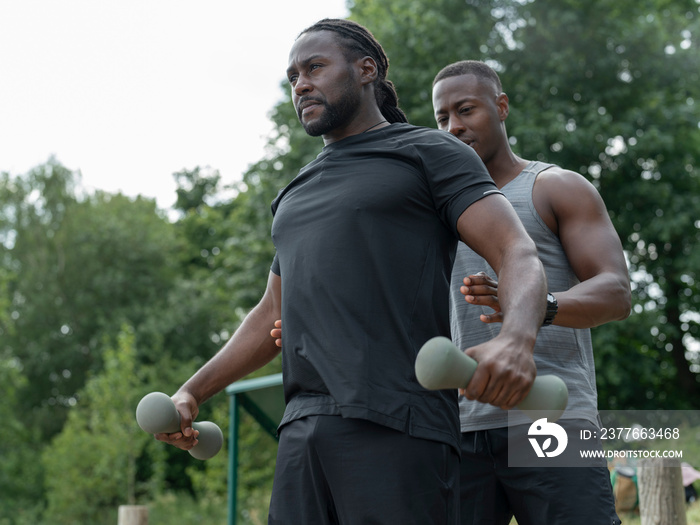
[262,398]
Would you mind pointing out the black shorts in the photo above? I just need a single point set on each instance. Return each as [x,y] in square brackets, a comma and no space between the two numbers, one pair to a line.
[334,470]
[492,493]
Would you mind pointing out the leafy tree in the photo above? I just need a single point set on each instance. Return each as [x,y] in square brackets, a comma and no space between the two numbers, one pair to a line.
[101,459]
[91,464]
[21,483]
[617,103]
[77,269]
[613,97]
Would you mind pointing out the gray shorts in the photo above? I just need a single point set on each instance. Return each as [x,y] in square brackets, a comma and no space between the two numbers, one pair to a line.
[491,492]
[333,470]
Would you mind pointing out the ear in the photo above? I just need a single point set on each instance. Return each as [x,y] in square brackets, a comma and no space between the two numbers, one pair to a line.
[368,70]
[503,106]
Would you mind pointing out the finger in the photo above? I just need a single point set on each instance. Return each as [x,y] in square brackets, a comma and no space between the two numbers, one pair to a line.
[186,423]
[480,289]
[492,393]
[480,278]
[168,438]
[485,300]
[477,385]
[493,318]
[512,402]
[487,294]
[516,396]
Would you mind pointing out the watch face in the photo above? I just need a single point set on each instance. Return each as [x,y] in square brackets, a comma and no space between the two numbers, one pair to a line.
[552,308]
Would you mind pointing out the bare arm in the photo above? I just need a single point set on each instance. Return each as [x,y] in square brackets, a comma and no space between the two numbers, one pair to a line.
[506,368]
[574,210]
[249,348]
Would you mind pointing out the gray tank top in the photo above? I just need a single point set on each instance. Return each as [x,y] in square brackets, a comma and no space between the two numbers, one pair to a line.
[566,352]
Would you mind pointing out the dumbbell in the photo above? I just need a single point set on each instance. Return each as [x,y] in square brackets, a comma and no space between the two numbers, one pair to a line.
[156,414]
[441,365]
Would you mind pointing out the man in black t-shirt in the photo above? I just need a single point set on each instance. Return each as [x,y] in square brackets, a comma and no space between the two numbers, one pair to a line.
[366,236]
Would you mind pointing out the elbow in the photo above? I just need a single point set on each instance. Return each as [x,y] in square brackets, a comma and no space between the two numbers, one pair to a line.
[623,298]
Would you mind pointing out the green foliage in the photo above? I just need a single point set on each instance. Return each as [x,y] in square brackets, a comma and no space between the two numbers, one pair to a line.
[692,515]
[257,453]
[79,269]
[21,483]
[182,507]
[615,98]
[91,464]
[421,37]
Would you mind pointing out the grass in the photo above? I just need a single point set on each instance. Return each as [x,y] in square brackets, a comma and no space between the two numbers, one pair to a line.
[692,516]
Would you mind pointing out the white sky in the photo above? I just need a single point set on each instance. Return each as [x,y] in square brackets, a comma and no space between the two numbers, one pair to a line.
[131,91]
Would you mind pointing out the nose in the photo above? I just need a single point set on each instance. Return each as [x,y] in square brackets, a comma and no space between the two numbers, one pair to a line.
[302,86]
[455,125]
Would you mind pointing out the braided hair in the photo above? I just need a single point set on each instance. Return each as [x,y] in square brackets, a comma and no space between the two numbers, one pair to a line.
[359,42]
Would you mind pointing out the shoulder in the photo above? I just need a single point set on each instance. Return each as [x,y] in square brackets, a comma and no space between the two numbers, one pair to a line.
[560,194]
[421,134]
[558,183]
[428,147]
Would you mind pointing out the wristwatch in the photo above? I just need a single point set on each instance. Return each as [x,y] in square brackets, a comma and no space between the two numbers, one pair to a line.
[552,308]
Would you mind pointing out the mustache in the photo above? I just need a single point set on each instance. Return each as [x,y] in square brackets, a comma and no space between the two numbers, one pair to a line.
[303,100]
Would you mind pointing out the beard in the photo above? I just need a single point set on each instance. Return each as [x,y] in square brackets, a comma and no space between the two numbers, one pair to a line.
[334,115]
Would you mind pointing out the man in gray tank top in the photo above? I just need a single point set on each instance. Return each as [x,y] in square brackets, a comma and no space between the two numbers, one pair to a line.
[588,283]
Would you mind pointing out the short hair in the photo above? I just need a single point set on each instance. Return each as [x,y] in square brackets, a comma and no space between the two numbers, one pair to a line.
[469,67]
[359,42]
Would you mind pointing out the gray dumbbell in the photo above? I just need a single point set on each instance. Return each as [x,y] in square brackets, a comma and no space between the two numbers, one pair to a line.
[441,365]
[156,414]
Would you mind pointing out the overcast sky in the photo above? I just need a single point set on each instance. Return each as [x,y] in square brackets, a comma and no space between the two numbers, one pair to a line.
[131,91]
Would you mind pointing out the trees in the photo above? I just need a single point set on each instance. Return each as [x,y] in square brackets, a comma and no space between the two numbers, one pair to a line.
[615,98]
[91,465]
[661,494]
[81,268]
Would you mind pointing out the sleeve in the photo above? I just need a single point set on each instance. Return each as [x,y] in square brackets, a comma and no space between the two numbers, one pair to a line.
[457,178]
[275,267]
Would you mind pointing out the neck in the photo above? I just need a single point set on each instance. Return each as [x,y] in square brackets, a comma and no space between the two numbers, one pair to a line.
[504,168]
[366,118]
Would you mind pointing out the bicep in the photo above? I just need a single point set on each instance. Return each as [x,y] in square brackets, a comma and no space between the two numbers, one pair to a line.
[271,301]
[587,235]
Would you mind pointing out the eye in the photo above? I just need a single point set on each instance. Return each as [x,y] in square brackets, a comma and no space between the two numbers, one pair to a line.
[313,67]
[292,78]
[441,121]
[465,109]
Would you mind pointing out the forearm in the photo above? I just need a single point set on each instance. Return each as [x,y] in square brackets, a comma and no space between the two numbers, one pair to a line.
[250,348]
[598,300]
[522,293]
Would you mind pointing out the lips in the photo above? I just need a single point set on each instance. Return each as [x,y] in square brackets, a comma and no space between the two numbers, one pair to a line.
[306,106]
[309,108]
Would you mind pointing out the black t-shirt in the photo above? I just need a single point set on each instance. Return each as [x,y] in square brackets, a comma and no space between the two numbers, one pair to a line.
[366,236]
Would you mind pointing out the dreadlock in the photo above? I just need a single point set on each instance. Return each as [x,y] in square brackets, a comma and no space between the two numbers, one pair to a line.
[359,42]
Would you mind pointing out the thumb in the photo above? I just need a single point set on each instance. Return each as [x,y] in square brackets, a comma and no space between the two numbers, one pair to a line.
[187,407]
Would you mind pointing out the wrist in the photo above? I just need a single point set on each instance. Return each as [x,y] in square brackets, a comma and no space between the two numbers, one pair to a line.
[552,309]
